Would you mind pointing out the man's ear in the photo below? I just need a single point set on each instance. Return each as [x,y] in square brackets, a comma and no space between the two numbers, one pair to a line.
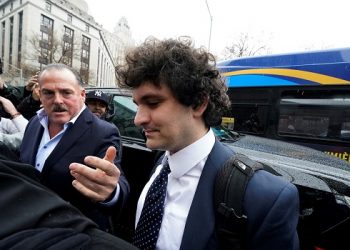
[83,94]
[198,111]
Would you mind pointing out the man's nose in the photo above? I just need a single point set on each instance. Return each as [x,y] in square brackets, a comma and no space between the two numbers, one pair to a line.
[58,98]
[141,117]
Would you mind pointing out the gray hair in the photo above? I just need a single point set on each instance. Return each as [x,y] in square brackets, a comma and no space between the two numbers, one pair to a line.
[60,67]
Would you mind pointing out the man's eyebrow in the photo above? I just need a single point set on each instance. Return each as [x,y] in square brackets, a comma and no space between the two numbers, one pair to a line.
[47,90]
[149,96]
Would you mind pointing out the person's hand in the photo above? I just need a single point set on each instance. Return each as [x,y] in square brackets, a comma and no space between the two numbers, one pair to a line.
[8,107]
[36,92]
[98,178]
[32,81]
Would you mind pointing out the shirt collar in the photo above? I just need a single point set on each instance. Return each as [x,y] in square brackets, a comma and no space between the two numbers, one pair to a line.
[187,158]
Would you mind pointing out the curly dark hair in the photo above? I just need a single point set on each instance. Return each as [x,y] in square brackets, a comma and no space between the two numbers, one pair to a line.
[190,73]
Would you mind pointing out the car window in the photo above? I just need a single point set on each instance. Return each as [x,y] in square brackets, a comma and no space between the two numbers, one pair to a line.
[124,110]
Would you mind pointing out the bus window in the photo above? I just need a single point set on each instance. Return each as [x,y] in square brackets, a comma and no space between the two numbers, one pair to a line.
[315,114]
[249,108]
[303,125]
[249,119]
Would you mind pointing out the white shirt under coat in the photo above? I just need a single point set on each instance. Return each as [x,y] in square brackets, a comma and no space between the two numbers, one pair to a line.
[12,131]
[186,168]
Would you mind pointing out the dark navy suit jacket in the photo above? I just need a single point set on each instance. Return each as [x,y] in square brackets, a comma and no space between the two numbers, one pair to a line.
[89,135]
[271,205]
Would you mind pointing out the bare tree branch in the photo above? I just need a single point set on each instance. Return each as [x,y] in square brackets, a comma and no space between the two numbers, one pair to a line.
[244,47]
[58,51]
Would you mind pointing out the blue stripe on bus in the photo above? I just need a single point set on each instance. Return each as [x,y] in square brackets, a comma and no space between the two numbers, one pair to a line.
[262,81]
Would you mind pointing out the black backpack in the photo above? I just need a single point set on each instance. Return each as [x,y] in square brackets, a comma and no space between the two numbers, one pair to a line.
[230,186]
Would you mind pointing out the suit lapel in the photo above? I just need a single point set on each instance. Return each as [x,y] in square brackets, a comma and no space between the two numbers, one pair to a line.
[38,131]
[70,137]
[200,222]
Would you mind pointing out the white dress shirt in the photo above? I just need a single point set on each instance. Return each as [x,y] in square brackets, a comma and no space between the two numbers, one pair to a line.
[12,131]
[186,168]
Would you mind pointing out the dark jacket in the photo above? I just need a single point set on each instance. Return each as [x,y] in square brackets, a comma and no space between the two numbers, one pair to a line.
[34,217]
[88,136]
[271,205]
[14,94]
[28,107]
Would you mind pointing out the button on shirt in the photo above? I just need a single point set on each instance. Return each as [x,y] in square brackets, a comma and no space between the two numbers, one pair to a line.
[186,168]
[47,144]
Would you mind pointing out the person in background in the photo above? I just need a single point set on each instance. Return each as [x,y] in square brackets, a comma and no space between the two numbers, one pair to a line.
[11,130]
[97,102]
[180,96]
[14,94]
[17,94]
[30,104]
[65,132]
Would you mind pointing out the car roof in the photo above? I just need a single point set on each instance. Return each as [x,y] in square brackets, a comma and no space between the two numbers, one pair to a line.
[109,90]
[297,163]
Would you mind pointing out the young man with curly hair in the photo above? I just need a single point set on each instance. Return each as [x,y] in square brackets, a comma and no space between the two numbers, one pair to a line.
[180,95]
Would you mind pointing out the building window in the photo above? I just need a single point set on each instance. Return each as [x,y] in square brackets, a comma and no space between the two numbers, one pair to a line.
[11,6]
[48,6]
[87,28]
[46,41]
[46,22]
[3,11]
[20,2]
[11,40]
[20,30]
[85,59]
[69,18]
[67,50]
[3,25]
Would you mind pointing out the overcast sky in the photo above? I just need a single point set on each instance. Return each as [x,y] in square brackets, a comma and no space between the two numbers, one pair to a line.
[282,26]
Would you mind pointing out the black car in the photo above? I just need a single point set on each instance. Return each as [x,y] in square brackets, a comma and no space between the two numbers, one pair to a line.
[323,181]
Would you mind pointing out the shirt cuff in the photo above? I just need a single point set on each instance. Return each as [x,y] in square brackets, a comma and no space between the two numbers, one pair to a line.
[113,201]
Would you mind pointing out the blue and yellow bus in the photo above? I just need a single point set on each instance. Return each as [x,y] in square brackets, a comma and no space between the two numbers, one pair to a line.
[302,98]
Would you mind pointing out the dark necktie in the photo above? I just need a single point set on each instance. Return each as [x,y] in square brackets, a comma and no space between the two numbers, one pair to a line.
[147,229]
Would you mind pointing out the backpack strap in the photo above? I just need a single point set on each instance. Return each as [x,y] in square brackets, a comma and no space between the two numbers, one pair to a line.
[230,186]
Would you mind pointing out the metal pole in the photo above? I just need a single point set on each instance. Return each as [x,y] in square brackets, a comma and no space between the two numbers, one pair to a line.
[211,23]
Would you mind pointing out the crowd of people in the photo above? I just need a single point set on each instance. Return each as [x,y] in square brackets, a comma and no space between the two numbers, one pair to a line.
[67,152]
